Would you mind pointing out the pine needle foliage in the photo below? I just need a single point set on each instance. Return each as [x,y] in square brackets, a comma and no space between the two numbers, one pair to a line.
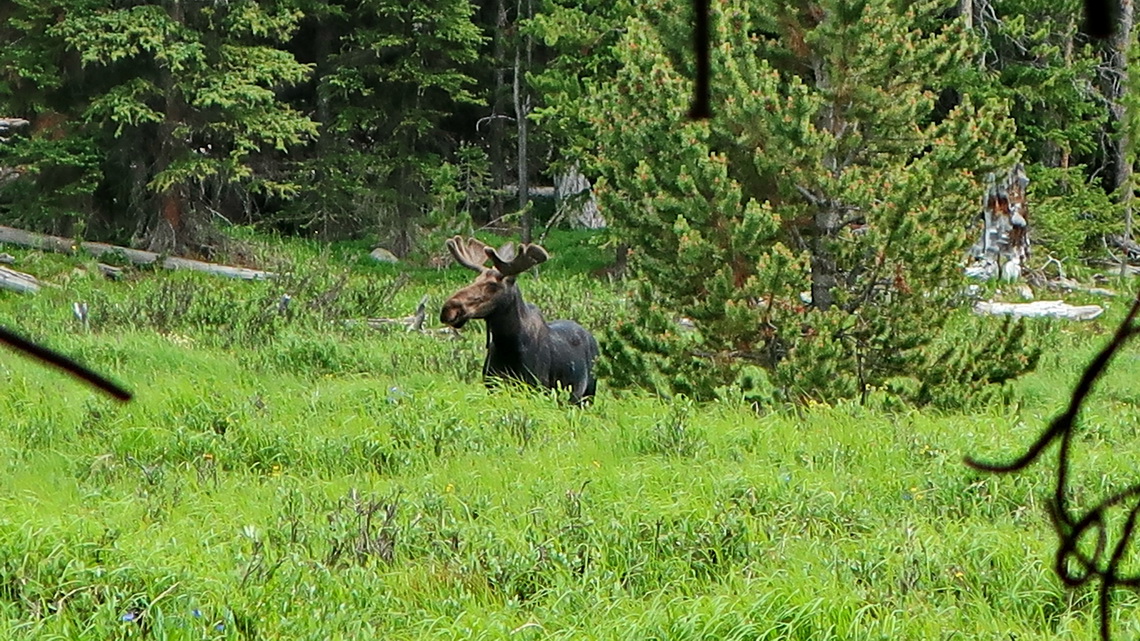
[812,231]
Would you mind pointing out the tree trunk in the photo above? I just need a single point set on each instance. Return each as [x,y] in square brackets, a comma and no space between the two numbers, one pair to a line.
[966,10]
[1121,41]
[1003,248]
[322,48]
[406,211]
[824,270]
[498,131]
[575,199]
[1067,53]
[522,108]
[170,231]
[13,280]
[1040,309]
[621,261]
[823,267]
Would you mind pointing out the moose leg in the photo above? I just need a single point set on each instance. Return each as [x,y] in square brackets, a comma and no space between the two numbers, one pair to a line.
[583,390]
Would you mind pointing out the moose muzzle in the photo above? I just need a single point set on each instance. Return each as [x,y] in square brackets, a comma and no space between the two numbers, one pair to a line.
[452,314]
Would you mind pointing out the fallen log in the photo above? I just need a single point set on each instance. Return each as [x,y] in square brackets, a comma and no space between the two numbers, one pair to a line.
[1070,285]
[1040,309]
[18,281]
[413,323]
[1124,269]
[137,256]
[1127,244]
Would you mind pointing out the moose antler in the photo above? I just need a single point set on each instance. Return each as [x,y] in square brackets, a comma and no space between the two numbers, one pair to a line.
[468,252]
[510,263]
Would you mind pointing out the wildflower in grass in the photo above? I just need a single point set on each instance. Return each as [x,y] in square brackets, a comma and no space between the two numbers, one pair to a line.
[131,615]
[276,470]
[449,489]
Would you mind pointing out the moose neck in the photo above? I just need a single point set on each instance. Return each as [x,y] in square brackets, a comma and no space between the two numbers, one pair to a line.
[515,320]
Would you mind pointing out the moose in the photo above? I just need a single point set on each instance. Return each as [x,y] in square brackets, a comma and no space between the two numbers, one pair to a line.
[521,345]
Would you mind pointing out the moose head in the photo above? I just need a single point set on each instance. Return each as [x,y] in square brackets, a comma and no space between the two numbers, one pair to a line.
[494,287]
[521,345]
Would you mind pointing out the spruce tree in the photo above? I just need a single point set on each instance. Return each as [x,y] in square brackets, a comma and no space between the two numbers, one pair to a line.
[394,74]
[813,229]
[178,101]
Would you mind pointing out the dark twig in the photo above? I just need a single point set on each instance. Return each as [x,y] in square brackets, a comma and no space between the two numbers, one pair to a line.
[62,362]
[1072,565]
[700,107]
[1098,18]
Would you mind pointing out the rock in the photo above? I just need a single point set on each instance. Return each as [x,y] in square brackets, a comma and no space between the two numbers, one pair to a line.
[384,256]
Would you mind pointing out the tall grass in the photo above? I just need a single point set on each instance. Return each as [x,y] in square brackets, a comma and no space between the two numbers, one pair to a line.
[287,475]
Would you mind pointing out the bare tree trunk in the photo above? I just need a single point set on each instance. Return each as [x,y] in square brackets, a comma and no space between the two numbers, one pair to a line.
[1121,42]
[522,108]
[575,199]
[323,49]
[1003,249]
[136,256]
[621,261]
[823,267]
[827,215]
[498,131]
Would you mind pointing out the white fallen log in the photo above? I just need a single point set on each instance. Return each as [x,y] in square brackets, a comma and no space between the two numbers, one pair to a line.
[137,256]
[1070,285]
[18,281]
[1040,309]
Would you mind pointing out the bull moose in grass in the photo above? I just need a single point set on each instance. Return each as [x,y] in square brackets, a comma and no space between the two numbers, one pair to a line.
[521,345]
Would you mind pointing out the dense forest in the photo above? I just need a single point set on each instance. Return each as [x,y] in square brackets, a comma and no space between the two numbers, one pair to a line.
[825,202]
[153,121]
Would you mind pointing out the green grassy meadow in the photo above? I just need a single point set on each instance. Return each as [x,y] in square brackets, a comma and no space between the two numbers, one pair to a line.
[293,476]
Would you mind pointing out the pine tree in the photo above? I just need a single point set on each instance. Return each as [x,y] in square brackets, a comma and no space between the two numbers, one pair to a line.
[815,227]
